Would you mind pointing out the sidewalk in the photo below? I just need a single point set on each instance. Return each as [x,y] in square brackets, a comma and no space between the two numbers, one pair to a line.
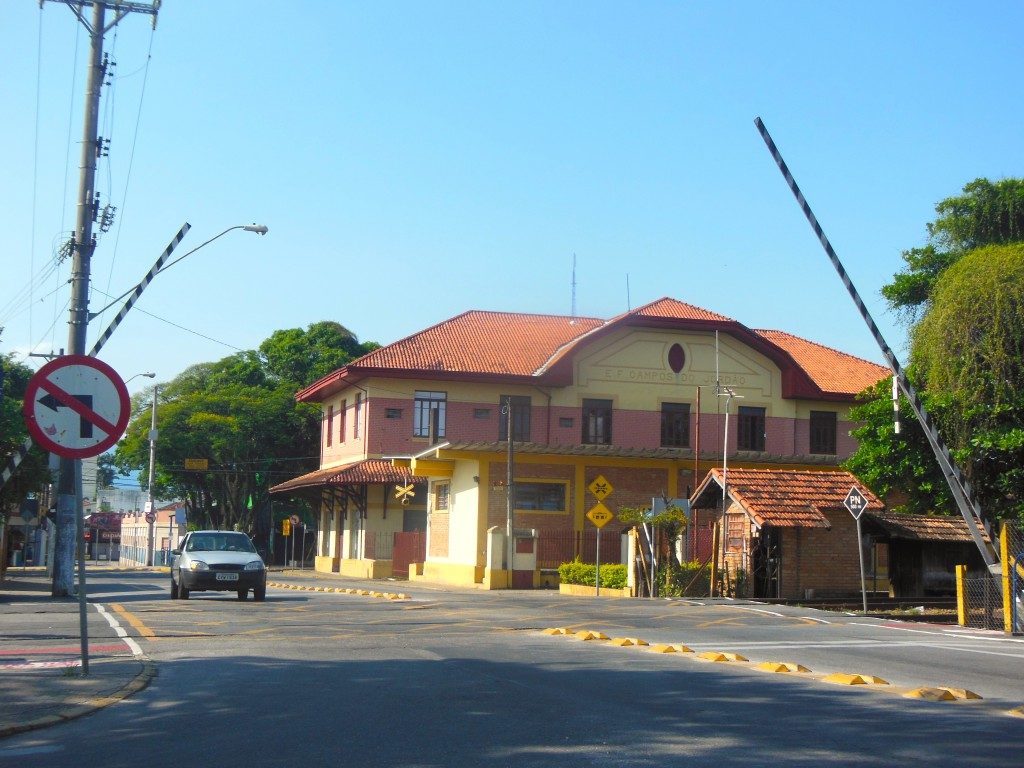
[40,657]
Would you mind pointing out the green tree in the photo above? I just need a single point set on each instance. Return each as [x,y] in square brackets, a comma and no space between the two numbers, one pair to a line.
[899,467]
[33,471]
[240,414]
[970,347]
[986,213]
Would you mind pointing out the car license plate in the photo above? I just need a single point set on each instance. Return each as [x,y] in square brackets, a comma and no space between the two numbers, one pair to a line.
[227,577]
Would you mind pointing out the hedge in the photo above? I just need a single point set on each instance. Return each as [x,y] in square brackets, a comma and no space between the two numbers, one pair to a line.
[612,576]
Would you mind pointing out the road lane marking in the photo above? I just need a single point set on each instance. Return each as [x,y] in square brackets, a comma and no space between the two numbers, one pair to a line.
[757,610]
[136,622]
[132,645]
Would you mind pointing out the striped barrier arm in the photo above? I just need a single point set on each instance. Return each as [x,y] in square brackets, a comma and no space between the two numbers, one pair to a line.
[15,459]
[18,456]
[958,484]
[139,289]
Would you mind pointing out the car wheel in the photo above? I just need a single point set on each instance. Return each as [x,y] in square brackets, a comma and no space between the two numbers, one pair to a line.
[259,594]
[182,592]
[243,593]
[174,589]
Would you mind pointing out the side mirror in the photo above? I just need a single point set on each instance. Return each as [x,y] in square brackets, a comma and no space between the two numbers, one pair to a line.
[175,551]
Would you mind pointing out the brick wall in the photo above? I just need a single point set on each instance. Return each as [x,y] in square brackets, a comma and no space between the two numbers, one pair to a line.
[438,534]
[819,559]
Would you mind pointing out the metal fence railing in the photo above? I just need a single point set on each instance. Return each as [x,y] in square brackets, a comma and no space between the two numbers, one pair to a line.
[557,547]
[1015,567]
[983,602]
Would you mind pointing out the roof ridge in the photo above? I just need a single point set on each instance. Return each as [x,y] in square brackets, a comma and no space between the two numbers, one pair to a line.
[762,331]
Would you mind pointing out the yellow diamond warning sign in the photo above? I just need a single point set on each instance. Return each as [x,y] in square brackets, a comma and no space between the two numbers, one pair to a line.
[600,487]
[600,515]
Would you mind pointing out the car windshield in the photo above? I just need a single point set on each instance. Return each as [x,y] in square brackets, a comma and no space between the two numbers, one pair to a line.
[219,542]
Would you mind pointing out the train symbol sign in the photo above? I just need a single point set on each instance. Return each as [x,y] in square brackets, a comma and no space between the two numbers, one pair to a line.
[76,406]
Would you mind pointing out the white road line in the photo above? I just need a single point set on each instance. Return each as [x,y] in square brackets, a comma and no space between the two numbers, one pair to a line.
[955,633]
[132,645]
[757,610]
[812,618]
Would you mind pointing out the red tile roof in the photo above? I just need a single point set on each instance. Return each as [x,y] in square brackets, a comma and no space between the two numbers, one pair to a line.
[369,471]
[498,345]
[785,498]
[830,369]
[922,527]
[483,342]
[677,310]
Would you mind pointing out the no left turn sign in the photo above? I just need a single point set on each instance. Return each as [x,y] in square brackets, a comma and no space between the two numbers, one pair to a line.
[76,406]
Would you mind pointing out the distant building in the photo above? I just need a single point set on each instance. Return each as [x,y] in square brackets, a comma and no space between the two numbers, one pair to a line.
[414,437]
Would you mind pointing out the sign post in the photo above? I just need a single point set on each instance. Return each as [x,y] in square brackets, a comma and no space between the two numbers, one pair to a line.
[857,503]
[75,407]
[599,515]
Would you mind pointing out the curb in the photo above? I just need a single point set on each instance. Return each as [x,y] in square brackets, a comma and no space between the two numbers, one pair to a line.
[72,712]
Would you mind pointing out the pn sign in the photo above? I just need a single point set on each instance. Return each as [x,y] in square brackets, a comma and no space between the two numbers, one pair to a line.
[76,406]
[855,502]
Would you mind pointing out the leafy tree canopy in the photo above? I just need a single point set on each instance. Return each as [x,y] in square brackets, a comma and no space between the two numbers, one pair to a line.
[986,213]
[33,471]
[239,414]
[898,467]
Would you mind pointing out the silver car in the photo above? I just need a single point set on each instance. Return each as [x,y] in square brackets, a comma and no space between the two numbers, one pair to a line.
[221,561]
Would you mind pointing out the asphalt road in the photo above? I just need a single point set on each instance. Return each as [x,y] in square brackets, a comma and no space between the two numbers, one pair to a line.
[467,678]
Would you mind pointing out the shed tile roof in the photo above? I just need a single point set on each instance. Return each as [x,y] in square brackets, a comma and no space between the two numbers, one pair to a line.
[368,471]
[922,527]
[787,498]
[830,369]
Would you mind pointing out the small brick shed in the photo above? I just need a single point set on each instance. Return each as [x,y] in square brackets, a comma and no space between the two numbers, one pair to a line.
[788,534]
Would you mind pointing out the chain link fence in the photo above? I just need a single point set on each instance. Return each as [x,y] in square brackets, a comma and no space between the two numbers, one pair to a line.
[983,598]
[984,603]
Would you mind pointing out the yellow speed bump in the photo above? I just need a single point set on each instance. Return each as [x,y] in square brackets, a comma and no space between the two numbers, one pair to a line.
[556,631]
[930,694]
[627,641]
[843,678]
[781,666]
[1016,712]
[962,693]
[586,634]
[671,648]
[664,648]
[717,656]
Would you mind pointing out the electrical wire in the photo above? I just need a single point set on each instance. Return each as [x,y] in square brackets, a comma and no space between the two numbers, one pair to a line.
[131,162]
[179,327]
[35,163]
[67,157]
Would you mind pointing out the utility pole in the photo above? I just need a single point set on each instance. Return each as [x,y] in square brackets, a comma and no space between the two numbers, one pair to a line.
[69,529]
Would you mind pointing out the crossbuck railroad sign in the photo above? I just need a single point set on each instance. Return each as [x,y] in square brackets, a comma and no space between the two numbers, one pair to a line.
[404,493]
[76,406]
[600,487]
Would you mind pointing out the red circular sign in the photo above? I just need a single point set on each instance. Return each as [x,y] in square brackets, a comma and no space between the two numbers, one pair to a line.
[76,406]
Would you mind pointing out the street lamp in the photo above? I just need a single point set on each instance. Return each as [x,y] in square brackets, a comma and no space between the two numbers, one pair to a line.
[151,511]
[728,394]
[159,266]
[259,229]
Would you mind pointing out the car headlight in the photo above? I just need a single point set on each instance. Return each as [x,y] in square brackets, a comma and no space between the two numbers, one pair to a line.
[255,565]
[198,565]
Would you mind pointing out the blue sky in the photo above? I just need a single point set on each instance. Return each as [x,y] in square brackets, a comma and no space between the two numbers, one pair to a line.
[416,160]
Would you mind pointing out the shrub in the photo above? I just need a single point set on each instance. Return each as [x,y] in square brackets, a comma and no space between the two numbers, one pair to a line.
[612,576]
[676,582]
